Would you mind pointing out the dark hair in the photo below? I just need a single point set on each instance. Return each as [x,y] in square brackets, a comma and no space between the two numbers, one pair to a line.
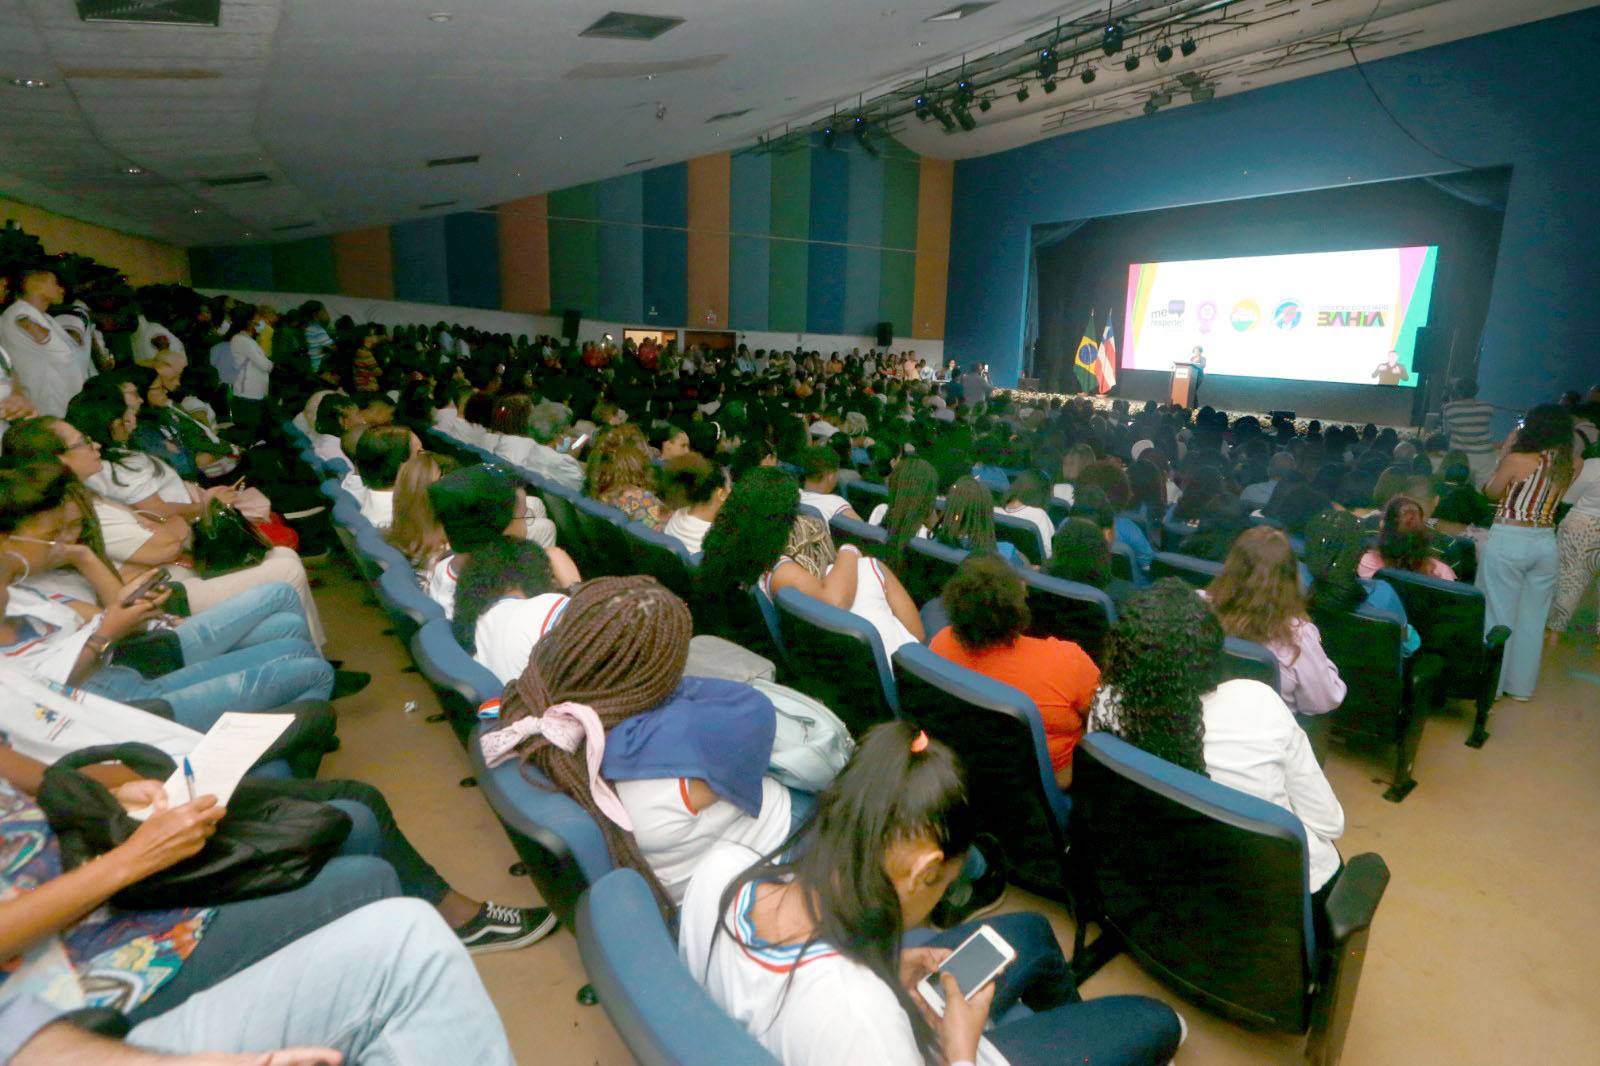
[987,603]
[1149,487]
[1029,489]
[30,488]
[750,531]
[331,412]
[1334,546]
[496,568]
[92,412]
[473,505]
[1405,541]
[968,519]
[1203,486]
[886,794]
[1548,427]
[1298,506]
[1091,504]
[379,455]
[690,479]
[818,462]
[1162,655]
[1079,552]
[1108,476]
[913,492]
[620,649]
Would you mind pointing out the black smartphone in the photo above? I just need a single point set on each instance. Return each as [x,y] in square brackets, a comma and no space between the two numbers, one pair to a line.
[153,583]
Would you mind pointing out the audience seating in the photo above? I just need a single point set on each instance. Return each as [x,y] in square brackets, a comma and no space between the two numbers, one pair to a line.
[406,605]
[1167,861]
[746,618]
[462,683]
[997,732]
[864,497]
[1196,571]
[374,555]
[1069,610]
[1250,661]
[844,665]
[1123,561]
[847,530]
[562,506]
[601,526]
[559,844]
[1019,533]
[1449,616]
[651,997]
[661,557]
[928,565]
[1388,694]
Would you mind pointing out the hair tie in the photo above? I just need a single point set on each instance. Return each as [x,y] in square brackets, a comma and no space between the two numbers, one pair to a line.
[920,743]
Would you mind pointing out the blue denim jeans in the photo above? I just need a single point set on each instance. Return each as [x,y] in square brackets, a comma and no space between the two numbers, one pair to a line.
[241,934]
[1517,570]
[255,616]
[387,985]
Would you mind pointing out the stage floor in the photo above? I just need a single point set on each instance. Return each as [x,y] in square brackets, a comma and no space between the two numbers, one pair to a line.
[1105,403]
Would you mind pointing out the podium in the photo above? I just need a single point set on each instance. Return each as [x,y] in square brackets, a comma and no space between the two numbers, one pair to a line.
[1182,385]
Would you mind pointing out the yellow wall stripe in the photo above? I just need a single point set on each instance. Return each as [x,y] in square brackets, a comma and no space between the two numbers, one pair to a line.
[525,255]
[933,248]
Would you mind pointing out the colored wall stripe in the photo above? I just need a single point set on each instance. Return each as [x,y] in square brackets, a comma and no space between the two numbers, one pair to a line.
[304,266]
[708,248]
[791,225]
[749,250]
[825,263]
[619,204]
[363,263]
[420,248]
[472,258]
[144,261]
[574,250]
[525,255]
[933,247]
[245,266]
[898,269]
[863,260]
[666,245]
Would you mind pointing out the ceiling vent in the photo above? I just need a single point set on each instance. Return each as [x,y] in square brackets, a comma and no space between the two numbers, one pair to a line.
[292,227]
[640,162]
[622,26]
[437,204]
[960,11]
[726,115]
[453,161]
[153,12]
[139,74]
[238,181]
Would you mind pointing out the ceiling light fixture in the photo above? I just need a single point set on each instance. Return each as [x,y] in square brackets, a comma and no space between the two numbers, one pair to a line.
[1201,94]
[30,83]
[984,104]
[1087,77]
[1164,53]
[960,11]
[921,106]
[1022,95]
[1151,107]
[1161,98]
[440,16]
[1048,63]
[134,171]
[1049,86]
[827,136]
[1111,39]
[1187,47]
[1132,62]
[964,117]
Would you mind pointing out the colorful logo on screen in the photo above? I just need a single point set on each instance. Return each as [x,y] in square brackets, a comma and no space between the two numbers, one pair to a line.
[1356,317]
[1246,313]
[1206,313]
[1287,314]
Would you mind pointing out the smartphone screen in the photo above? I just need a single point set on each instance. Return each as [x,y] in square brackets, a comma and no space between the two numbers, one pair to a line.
[972,964]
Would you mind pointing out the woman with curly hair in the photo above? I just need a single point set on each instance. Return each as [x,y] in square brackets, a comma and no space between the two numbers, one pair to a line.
[1160,693]
[1519,562]
[619,473]
[666,766]
[1257,597]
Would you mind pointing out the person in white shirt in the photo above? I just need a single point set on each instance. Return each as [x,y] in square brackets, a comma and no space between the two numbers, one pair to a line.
[805,949]
[14,402]
[380,453]
[820,466]
[1026,499]
[252,367]
[1167,645]
[506,601]
[475,506]
[144,341]
[808,563]
[696,488]
[41,355]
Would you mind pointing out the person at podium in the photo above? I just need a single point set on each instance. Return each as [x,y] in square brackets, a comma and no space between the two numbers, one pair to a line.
[1197,360]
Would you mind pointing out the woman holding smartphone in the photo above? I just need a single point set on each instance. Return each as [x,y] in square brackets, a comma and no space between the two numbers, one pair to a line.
[805,947]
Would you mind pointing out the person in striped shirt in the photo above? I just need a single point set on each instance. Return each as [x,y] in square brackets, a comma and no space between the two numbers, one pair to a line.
[1466,421]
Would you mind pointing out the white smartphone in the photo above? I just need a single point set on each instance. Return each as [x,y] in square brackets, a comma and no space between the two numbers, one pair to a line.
[978,960]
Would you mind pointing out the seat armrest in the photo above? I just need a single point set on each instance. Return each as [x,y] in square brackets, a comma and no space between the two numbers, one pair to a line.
[1496,638]
[1356,895]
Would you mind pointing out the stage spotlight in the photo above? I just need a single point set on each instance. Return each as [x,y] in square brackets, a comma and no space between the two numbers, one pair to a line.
[1022,94]
[921,105]
[859,126]
[827,136]
[963,90]
[1131,63]
[1187,47]
[1151,107]
[1161,99]
[943,116]
[1202,93]
[1088,75]
[964,117]
[1048,64]
[984,104]
[1164,53]
[1112,39]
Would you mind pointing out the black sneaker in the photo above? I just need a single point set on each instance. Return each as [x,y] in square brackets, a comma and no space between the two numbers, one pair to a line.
[968,900]
[497,928]
[349,682]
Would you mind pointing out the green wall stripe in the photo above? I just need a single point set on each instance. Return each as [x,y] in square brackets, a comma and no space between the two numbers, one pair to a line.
[791,219]
[574,251]
[304,266]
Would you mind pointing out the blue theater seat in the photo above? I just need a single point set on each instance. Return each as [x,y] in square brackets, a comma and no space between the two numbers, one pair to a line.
[461,682]
[661,557]
[1188,568]
[847,530]
[1250,661]
[838,660]
[1021,534]
[1069,610]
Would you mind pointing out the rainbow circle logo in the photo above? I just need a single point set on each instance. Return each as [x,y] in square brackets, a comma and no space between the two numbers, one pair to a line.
[1287,314]
[1245,315]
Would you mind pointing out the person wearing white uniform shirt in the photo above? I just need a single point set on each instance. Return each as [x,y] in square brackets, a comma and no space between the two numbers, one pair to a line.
[821,469]
[40,352]
[1167,644]
[252,368]
[144,341]
[697,488]
[791,954]
[809,562]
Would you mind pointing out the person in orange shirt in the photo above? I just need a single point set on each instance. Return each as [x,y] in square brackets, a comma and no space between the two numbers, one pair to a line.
[988,609]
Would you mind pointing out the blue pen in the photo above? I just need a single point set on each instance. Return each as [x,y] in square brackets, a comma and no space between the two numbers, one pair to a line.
[188,777]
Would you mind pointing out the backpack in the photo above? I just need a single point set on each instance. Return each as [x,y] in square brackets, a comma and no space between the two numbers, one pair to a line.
[811,745]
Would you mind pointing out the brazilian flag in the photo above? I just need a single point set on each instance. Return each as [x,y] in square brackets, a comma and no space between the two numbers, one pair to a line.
[1088,354]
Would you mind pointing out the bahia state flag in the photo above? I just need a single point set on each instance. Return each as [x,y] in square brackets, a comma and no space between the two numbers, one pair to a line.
[1083,367]
[1105,367]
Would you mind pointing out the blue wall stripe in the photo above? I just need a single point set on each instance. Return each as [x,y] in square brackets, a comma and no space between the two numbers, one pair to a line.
[825,269]
[749,257]
[244,266]
[472,264]
[619,203]
[863,265]
[419,261]
[666,251]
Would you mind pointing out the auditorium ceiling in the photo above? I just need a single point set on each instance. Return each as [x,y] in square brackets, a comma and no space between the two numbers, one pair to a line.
[292,118]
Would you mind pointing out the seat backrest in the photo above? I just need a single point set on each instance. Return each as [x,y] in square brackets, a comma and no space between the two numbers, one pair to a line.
[997,732]
[1447,615]
[1020,533]
[1192,569]
[402,599]
[662,557]
[1069,610]
[847,530]
[1207,886]
[1367,652]
[561,505]
[864,496]
[837,658]
[1123,561]
[652,999]
[463,684]
[1251,661]
[602,529]
[375,555]
[928,565]
[744,616]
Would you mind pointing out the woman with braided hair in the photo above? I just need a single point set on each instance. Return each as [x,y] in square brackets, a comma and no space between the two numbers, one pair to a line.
[1159,692]
[808,562]
[687,756]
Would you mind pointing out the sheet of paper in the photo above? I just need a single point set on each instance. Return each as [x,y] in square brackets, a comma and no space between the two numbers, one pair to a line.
[223,756]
